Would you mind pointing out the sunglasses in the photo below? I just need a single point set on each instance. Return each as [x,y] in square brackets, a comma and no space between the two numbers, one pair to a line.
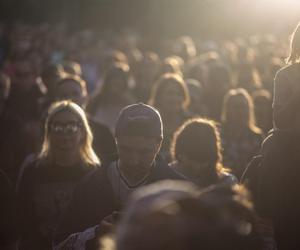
[67,128]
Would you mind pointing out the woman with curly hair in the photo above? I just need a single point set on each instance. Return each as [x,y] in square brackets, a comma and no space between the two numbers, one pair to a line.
[196,153]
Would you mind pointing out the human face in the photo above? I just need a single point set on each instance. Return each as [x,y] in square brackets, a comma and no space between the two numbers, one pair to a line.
[171,98]
[238,111]
[137,153]
[65,132]
[70,90]
[193,168]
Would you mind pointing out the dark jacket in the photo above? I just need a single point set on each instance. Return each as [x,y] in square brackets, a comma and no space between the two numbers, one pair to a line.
[94,199]
[43,192]
[278,195]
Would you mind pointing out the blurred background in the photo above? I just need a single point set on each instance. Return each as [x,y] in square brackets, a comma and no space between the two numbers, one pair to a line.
[217,18]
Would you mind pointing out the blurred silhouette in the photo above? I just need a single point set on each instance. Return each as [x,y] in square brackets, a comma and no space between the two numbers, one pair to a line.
[175,215]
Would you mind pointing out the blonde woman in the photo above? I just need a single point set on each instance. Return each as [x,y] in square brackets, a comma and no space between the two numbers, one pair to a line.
[46,185]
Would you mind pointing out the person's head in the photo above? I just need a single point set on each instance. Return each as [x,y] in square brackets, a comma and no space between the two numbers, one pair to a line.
[294,55]
[72,68]
[176,215]
[196,92]
[218,79]
[199,67]
[170,93]
[72,87]
[67,130]
[185,48]
[248,77]
[113,57]
[235,228]
[149,221]
[245,54]
[139,134]
[116,80]
[265,46]
[238,109]
[172,64]
[197,146]
[50,75]
[147,69]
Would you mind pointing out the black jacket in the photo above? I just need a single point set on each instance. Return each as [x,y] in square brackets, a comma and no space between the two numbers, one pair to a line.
[279,187]
[94,199]
[43,192]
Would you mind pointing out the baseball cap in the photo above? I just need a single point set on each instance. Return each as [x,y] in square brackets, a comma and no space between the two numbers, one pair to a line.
[139,120]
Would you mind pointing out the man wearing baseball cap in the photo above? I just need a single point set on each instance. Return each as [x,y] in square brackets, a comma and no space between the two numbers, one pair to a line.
[139,134]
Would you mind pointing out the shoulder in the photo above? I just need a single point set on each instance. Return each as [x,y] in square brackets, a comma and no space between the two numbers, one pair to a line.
[256,133]
[288,72]
[251,171]
[96,179]
[95,123]
[96,174]
[288,69]
[276,140]
[163,171]
[30,164]
[28,172]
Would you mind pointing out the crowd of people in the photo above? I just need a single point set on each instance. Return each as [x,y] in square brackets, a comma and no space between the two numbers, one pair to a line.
[117,141]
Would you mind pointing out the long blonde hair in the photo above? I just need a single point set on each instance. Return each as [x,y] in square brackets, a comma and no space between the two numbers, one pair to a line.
[294,55]
[87,154]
